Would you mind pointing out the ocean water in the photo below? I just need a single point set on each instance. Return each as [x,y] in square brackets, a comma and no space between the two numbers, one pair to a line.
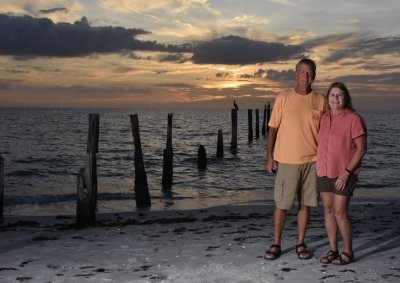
[44,149]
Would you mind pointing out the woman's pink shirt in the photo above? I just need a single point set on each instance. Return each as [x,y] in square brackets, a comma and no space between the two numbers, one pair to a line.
[336,144]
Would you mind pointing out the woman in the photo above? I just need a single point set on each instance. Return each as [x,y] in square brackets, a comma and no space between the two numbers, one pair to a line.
[342,143]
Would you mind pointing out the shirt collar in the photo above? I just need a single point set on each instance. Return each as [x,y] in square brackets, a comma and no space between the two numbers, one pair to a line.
[342,113]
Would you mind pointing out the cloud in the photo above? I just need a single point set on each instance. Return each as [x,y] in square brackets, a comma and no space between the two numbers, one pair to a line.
[168,6]
[223,75]
[272,75]
[351,45]
[234,50]
[4,84]
[53,10]
[56,10]
[28,36]
[281,76]
[175,85]
[381,79]
[176,57]
[80,89]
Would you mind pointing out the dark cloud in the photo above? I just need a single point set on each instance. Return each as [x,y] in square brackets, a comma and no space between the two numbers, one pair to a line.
[281,76]
[232,50]
[223,74]
[4,85]
[176,57]
[27,36]
[246,76]
[259,74]
[356,46]
[272,75]
[54,10]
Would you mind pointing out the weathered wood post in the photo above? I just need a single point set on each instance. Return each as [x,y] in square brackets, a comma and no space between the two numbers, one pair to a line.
[264,118]
[220,144]
[268,114]
[202,158]
[234,131]
[1,188]
[257,124]
[250,123]
[142,195]
[168,158]
[87,177]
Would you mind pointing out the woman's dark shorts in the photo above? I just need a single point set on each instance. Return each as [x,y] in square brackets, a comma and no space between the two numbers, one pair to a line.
[325,184]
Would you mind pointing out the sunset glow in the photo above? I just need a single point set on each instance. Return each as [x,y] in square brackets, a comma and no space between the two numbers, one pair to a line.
[175,53]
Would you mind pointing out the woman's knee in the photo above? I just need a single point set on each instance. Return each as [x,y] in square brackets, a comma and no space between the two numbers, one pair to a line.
[340,213]
[328,209]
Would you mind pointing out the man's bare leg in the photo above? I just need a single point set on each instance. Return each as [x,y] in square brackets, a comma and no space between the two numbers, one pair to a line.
[279,222]
[302,220]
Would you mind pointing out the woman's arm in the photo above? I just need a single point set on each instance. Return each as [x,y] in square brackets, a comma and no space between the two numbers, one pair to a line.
[361,149]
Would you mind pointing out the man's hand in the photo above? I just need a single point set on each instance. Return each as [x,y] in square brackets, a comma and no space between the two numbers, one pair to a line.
[270,166]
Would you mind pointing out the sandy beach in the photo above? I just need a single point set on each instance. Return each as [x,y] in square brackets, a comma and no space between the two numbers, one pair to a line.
[219,244]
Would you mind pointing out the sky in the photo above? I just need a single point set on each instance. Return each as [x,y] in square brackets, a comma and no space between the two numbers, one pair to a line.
[189,54]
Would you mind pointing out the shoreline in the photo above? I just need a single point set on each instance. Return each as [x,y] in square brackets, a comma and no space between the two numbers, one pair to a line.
[384,195]
[217,244]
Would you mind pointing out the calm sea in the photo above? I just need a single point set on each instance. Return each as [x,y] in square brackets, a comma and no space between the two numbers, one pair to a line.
[44,149]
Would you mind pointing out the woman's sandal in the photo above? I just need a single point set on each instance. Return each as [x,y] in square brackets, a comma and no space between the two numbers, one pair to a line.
[330,256]
[302,252]
[272,255]
[343,260]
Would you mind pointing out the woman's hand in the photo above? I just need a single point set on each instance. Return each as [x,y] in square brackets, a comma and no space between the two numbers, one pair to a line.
[342,181]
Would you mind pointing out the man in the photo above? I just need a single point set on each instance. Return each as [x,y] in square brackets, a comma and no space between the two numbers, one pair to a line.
[292,147]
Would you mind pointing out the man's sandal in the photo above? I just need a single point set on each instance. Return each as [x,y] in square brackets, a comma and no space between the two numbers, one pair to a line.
[343,260]
[330,256]
[302,252]
[273,253]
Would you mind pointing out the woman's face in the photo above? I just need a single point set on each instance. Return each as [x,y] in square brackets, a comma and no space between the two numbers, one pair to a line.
[336,99]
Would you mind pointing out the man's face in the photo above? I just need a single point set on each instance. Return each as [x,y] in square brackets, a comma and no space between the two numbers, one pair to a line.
[304,75]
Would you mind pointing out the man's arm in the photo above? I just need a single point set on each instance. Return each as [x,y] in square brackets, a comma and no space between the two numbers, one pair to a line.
[272,132]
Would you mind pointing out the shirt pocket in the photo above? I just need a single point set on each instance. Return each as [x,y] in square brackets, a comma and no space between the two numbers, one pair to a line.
[316,116]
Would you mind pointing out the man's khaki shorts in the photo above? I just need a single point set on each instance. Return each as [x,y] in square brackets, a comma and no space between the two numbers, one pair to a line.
[295,180]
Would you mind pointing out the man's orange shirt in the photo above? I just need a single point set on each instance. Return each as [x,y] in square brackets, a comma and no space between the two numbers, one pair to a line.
[297,119]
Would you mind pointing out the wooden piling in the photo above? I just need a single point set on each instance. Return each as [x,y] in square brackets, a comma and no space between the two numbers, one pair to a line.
[220,145]
[142,195]
[2,185]
[257,124]
[87,177]
[202,158]
[86,205]
[169,132]
[234,131]
[250,124]
[264,118]
[168,158]
[268,114]
[167,169]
